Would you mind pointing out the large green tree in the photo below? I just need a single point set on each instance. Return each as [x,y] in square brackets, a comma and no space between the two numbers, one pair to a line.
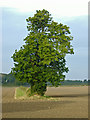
[42,58]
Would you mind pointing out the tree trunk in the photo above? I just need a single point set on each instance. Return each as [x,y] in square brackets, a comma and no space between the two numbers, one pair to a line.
[38,88]
[33,90]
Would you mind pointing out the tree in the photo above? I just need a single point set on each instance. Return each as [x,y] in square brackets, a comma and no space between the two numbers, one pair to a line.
[85,80]
[42,58]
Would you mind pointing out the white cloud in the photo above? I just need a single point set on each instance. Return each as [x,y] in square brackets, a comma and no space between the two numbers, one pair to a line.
[61,8]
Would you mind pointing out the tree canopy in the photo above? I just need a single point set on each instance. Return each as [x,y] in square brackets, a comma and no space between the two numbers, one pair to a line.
[42,58]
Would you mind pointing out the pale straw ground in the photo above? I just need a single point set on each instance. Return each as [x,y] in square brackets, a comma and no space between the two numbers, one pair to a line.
[72,103]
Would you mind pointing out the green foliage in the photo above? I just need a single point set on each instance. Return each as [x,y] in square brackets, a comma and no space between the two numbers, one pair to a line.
[42,58]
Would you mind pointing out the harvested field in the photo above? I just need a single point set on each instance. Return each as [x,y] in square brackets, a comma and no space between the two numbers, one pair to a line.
[73,103]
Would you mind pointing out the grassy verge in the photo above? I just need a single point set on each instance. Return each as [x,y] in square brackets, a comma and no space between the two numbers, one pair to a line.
[20,92]
[24,93]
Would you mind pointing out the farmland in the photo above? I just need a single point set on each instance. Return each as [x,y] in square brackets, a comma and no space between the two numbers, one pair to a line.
[72,103]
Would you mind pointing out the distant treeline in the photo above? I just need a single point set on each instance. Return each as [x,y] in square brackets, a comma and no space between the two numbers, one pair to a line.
[9,80]
[74,82]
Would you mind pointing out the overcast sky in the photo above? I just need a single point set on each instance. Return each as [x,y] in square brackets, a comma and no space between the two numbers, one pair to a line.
[72,13]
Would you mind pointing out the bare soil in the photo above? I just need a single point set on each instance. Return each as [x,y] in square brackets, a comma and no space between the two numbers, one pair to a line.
[72,103]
